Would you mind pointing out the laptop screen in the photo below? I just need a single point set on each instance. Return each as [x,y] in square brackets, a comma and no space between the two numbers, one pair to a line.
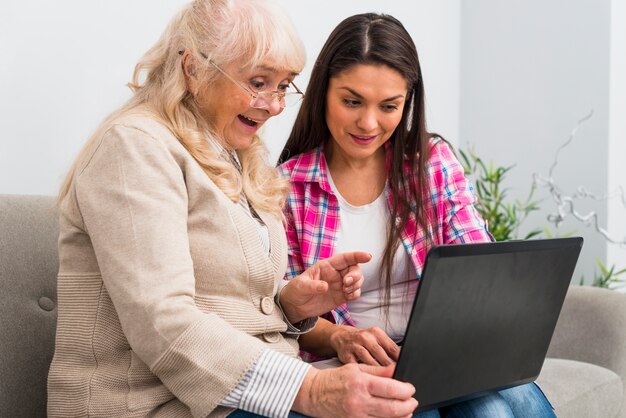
[484,316]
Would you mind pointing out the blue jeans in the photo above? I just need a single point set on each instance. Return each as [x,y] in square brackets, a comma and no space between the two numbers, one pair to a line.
[518,402]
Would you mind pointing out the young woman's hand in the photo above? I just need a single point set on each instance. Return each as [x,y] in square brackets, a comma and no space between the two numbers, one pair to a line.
[354,391]
[370,346]
[324,286]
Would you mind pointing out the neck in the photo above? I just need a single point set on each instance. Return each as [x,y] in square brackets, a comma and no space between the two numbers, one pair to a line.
[339,162]
[359,181]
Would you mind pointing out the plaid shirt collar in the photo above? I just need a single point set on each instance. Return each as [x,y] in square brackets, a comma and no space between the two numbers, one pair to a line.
[311,167]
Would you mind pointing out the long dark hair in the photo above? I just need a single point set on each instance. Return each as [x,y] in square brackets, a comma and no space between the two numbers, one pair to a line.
[375,39]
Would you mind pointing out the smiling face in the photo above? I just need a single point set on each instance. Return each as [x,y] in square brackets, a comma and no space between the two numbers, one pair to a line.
[364,106]
[227,107]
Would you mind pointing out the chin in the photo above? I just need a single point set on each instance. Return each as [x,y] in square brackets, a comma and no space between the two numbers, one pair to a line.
[241,143]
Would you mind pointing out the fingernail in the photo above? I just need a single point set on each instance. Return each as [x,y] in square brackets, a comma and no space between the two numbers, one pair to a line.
[349,280]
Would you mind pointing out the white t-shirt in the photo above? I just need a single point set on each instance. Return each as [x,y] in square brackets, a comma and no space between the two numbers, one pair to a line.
[364,228]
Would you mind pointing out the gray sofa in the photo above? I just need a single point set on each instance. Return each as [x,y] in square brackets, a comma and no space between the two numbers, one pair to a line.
[584,376]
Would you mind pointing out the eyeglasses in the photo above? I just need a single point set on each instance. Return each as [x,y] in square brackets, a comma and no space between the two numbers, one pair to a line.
[263,99]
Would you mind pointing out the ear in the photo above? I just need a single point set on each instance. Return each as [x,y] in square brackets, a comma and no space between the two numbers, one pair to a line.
[189,65]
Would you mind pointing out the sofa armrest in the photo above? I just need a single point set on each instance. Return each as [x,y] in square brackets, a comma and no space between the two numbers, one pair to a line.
[592,328]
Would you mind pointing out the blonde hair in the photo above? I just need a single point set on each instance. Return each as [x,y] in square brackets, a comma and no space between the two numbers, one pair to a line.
[252,31]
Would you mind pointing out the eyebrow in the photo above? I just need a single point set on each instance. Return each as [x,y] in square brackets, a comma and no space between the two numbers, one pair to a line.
[263,67]
[389,99]
[270,69]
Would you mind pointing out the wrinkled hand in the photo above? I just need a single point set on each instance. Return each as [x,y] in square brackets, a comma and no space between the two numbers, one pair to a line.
[354,391]
[370,346]
[324,286]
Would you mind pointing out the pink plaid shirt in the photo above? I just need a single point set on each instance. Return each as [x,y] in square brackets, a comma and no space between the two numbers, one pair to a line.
[312,213]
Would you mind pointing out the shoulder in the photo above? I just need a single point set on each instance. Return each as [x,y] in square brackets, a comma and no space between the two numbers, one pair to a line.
[305,167]
[443,166]
[134,141]
[442,158]
[441,150]
[132,130]
[138,127]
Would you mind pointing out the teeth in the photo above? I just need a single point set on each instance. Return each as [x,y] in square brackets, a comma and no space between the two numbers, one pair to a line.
[251,120]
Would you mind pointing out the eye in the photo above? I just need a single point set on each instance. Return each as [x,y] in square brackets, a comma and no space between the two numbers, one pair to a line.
[257,84]
[283,88]
[351,102]
[389,107]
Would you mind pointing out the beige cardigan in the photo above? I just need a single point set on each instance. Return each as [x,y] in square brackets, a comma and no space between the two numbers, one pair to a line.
[165,291]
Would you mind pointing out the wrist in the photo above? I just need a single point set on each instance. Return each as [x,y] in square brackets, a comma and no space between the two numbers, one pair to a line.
[287,308]
[305,399]
[335,336]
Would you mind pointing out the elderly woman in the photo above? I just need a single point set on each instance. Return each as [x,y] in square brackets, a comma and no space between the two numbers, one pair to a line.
[172,249]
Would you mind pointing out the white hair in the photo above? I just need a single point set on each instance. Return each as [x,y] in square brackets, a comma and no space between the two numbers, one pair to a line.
[250,31]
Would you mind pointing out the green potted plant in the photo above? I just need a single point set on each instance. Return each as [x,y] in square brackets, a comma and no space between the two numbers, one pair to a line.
[504,218]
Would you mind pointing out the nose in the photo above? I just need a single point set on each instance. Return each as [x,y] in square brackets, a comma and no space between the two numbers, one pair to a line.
[274,107]
[270,104]
[367,120]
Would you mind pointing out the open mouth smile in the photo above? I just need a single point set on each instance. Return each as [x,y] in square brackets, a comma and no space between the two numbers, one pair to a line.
[246,120]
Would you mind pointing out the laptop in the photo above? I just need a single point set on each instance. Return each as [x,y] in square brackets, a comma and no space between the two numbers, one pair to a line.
[483,317]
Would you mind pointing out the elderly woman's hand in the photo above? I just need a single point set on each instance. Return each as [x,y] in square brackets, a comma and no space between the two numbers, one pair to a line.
[354,391]
[324,286]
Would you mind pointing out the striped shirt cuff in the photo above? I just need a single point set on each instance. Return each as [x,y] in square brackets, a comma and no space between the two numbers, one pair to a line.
[270,386]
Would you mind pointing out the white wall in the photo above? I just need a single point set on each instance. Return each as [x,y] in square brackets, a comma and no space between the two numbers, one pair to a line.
[617,134]
[65,65]
[529,71]
[511,78]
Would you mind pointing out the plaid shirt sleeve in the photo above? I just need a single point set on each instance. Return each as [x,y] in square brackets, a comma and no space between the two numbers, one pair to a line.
[295,263]
[454,199]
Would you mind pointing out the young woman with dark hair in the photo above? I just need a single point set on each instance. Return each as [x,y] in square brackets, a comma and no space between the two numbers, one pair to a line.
[366,174]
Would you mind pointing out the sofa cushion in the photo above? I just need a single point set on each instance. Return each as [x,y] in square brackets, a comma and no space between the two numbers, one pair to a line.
[581,390]
[28,269]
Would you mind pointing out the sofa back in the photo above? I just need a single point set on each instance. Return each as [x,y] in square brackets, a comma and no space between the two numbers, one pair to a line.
[592,329]
[28,269]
